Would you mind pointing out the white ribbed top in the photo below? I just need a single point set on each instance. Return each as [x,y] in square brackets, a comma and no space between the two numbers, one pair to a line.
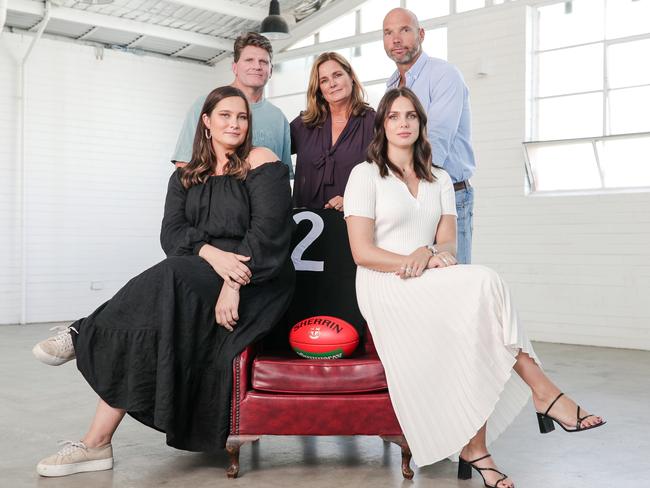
[402,222]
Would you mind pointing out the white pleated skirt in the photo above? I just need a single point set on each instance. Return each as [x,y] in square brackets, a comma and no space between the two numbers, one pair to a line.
[447,341]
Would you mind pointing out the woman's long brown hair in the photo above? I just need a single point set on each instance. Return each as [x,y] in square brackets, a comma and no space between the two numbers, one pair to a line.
[317,106]
[204,160]
[378,148]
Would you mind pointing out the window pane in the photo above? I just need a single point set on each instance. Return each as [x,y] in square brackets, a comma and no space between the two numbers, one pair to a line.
[559,26]
[346,52]
[435,42]
[569,117]
[340,28]
[375,92]
[564,166]
[371,63]
[626,65]
[291,105]
[373,13]
[464,5]
[427,9]
[627,17]
[307,41]
[573,70]
[289,77]
[625,112]
[624,162]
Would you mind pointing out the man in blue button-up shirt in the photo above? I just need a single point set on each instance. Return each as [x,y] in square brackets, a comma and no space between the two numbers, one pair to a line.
[440,87]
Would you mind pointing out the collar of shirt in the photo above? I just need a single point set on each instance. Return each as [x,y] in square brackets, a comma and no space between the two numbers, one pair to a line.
[411,75]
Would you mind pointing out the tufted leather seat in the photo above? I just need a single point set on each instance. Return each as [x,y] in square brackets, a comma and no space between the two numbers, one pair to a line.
[285,373]
[294,375]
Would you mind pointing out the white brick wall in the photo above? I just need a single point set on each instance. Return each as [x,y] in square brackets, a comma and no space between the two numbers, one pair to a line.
[98,141]
[9,255]
[579,267]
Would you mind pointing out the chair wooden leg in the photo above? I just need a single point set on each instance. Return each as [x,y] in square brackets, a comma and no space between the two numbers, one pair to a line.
[233,444]
[400,440]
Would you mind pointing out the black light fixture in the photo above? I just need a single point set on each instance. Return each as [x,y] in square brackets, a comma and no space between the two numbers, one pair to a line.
[274,26]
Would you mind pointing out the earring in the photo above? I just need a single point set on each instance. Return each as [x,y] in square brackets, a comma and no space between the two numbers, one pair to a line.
[208,134]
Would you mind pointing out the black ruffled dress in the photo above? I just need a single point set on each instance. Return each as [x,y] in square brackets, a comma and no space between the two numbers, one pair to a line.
[155,349]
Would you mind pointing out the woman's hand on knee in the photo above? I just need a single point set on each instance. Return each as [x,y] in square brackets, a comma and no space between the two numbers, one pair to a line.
[228,265]
[226,311]
[442,260]
[414,264]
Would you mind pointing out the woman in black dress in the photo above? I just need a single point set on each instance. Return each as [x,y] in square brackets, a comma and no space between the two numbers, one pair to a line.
[154,350]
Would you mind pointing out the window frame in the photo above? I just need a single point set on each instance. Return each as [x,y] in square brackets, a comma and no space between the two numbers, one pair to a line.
[532,138]
[532,191]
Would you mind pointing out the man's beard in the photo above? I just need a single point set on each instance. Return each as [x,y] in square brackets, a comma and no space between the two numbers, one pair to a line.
[408,56]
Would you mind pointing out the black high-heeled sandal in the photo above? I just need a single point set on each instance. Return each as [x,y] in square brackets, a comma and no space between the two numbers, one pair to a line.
[465,471]
[546,421]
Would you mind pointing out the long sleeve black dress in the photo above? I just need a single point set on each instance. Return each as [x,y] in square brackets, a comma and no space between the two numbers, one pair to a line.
[155,349]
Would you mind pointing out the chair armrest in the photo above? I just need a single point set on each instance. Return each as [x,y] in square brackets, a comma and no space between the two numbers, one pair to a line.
[241,369]
[241,366]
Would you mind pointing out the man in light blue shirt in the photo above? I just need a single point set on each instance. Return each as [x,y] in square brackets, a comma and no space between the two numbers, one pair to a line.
[252,68]
[441,89]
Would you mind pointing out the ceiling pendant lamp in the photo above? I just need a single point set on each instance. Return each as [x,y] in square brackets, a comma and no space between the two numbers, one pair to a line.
[274,26]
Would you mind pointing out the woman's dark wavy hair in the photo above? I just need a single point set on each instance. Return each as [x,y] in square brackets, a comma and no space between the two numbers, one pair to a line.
[204,160]
[378,148]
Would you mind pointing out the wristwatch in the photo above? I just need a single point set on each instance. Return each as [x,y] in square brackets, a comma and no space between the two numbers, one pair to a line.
[433,249]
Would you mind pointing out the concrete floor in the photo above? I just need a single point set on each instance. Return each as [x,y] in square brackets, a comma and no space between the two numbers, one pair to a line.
[41,404]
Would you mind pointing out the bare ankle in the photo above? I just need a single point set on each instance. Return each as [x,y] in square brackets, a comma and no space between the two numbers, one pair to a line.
[474,447]
[96,441]
[545,394]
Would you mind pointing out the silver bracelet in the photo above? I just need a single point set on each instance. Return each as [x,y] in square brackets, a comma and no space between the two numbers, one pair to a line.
[433,249]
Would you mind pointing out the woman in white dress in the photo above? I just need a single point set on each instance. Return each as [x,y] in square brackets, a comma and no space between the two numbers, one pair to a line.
[447,335]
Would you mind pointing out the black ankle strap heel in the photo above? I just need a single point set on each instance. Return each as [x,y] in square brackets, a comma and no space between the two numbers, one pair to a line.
[465,471]
[546,422]
[546,425]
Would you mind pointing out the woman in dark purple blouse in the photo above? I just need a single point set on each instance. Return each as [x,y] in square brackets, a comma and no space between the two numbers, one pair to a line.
[332,135]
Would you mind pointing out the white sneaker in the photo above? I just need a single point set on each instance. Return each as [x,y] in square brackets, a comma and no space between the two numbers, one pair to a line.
[57,349]
[75,457]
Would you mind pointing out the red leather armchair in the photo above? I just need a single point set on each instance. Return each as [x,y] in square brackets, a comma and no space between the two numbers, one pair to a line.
[350,394]
[272,384]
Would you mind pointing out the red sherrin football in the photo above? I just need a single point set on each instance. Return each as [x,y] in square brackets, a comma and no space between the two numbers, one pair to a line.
[323,337]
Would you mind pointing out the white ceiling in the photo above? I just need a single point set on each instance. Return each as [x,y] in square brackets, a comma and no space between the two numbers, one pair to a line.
[192,30]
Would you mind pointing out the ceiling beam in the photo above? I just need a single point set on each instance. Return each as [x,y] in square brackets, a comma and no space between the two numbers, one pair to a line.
[226,7]
[88,33]
[118,23]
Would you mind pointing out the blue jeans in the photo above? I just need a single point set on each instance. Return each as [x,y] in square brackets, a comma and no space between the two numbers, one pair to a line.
[465,210]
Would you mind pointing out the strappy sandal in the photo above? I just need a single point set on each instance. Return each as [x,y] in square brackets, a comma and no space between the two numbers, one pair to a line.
[465,471]
[546,421]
